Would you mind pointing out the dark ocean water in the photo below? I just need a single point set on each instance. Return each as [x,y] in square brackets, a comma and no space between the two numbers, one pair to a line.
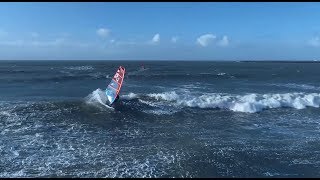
[175,119]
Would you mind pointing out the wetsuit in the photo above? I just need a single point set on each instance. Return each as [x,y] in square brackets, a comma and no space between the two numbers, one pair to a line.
[117,98]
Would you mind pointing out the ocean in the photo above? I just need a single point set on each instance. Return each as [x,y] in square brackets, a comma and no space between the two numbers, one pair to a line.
[173,119]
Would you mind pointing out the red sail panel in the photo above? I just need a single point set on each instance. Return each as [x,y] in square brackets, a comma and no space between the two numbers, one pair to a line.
[118,78]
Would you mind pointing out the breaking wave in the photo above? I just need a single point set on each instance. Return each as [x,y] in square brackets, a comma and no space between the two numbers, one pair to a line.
[80,68]
[130,96]
[249,103]
[170,102]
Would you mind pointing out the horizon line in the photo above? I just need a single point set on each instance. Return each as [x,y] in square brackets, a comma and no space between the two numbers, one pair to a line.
[159,60]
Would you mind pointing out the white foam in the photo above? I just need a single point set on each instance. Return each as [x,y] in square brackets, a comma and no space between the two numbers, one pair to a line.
[19,173]
[241,103]
[168,96]
[159,112]
[5,113]
[297,86]
[130,96]
[137,72]
[192,86]
[153,104]
[97,75]
[80,68]
[50,155]
[205,73]
[97,97]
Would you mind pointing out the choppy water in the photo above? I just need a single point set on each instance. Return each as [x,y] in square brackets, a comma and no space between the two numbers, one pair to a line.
[175,119]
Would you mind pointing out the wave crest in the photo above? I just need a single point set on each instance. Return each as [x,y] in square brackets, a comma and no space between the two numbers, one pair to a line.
[250,103]
[130,96]
[79,68]
[97,98]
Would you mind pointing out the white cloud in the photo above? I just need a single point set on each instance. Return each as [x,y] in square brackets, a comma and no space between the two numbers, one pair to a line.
[315,41]
[205,39]
[156,38]
[224,41]
[174,39]
[103,32]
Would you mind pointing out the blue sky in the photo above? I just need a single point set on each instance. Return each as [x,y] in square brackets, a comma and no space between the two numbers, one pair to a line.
[160,31]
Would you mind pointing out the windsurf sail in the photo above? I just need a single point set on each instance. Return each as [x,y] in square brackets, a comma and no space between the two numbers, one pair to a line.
[114,86]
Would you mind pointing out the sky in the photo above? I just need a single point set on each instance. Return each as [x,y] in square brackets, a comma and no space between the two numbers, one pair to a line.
[160,31]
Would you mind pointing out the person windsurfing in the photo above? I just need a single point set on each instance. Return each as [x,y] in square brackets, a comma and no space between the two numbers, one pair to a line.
[114,87]
[142,68]
[117,98]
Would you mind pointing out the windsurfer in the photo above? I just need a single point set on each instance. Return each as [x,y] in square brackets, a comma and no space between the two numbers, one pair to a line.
[113,89]
[117,98]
